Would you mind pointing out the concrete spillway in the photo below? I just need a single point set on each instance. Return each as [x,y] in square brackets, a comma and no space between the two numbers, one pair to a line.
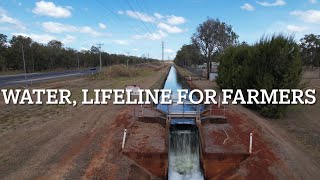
[167,145]
[184,159]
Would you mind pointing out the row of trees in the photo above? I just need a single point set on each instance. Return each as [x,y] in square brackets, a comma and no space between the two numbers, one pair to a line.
[189,55]
[53,55]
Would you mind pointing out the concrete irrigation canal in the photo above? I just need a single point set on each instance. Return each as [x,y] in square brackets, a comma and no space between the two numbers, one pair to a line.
[183,141]
[184,157]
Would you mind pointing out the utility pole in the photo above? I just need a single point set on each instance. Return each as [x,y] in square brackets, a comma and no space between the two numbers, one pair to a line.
[78,61]
[99,46]
[162,50]
[24,63]
[148,57]
[128,54]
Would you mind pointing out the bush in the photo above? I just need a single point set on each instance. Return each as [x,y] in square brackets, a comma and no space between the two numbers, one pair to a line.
[121,71]
[272,63]
[116,71]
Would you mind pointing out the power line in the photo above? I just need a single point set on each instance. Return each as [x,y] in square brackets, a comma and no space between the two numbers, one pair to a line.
[145,5]
[141,9]
[115,15]
[138,16]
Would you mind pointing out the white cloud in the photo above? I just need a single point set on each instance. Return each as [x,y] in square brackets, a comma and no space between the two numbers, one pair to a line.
[45,38]
[41,38]
[247,7]
[89,30]
[5,18]
[165,23]
[50,9]
[54,27]
[175,20]
[313,1]
[138,15]
[151,36]
[158,15]
[135,49]
[169,29]
[84,49]
[310,16]
[102,26]
[295,28]
[68,39]
[121,42]
[172,19]
[275,3]
[169,51]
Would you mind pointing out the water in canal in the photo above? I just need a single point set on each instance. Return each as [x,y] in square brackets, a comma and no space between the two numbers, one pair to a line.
[184,159]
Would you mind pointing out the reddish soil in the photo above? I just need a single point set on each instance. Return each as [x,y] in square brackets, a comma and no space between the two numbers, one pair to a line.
[146,137]
[62,142]
[273,157]
[85,142]
[262,160]
[233,138]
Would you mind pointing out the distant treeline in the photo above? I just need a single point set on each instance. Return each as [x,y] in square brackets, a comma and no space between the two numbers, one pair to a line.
[54,55]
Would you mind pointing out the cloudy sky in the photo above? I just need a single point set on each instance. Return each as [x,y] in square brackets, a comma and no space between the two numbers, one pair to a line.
[137,27]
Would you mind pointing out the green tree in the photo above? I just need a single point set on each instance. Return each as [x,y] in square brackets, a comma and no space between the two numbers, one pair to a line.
[55,54]
[212,37]
[3,52]
[272,63]
[310,45]
[188,55]
[15,52]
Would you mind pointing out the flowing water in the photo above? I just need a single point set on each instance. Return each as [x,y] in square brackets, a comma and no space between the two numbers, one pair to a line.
[184,159]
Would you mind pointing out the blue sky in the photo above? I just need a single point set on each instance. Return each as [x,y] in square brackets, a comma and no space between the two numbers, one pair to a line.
[137,27]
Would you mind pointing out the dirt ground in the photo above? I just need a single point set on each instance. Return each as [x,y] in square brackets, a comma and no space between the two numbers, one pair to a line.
[294,139]
[54,142]
[84,142]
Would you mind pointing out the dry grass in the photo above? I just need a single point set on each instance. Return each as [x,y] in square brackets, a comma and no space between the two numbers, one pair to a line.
[112,78]
[121,71]
[311,73]
[303,124]
[115,72]
[184,72]
[156,66]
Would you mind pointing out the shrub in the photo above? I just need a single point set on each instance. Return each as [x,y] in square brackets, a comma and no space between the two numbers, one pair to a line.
[121,71]
[272,63]
[116,71]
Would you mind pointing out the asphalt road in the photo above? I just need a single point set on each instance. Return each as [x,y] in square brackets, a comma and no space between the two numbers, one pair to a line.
[19,79]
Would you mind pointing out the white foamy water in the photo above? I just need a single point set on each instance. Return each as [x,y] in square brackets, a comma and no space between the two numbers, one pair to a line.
[184,160]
